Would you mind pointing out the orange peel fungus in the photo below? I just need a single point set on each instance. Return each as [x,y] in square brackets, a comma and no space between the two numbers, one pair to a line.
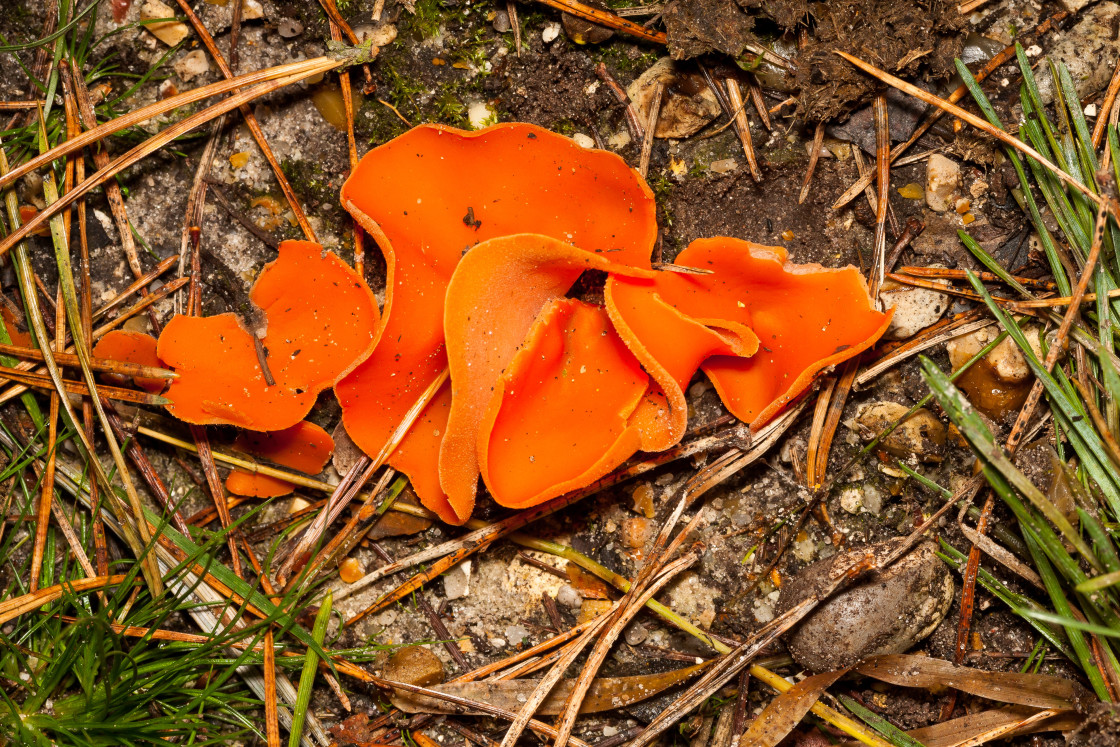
[793,320]
[320,322]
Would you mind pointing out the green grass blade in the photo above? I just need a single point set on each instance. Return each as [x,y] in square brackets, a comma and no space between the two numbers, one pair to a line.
[890,732]
[307,677]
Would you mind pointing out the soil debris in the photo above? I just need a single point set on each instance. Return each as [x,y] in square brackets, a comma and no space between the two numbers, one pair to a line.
[911,40]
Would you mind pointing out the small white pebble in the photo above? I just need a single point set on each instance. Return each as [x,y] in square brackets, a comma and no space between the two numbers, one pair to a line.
[724,165]
[1091,110]
[480,114]
[551,32]
[1034,50]
[584,141]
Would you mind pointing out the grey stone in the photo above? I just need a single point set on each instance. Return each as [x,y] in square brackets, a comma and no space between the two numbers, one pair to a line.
[884,613]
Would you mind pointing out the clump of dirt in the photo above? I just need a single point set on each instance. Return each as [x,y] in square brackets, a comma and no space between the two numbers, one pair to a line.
[907,39]
[1100,729]
[696,27]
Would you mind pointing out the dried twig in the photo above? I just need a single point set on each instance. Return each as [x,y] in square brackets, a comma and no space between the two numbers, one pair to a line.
[515,24]
[883,180]
[608,19]
[742,125]
[637,129]
[814,154]
[651,127]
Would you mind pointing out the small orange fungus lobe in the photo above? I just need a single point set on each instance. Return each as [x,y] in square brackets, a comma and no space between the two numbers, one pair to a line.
[16,332]
[805,318]
[671,346]
[304,447]
[435,192]
[559,418]
[321,321]
[27,213]
[130,347]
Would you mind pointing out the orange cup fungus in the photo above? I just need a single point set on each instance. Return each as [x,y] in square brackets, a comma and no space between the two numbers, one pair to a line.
[304,447]
[320,322]
[485,234]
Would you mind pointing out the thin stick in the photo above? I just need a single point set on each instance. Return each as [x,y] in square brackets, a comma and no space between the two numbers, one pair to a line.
[637,130]
[100,541]
[190,236]
[139,283]
[351,142]
[608,19]
[759,103]
[813,453]
[883,174]
[861,167]
[104,365]
[223,201]
[913,230]
[987,277]
[331,8]
[1106,107]
[81,388]
[46,495]
[814,154]
[515,24]
[965,8]
[651,127]
[742,125]
[217,492]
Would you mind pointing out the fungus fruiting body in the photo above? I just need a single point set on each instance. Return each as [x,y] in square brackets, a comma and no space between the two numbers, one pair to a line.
[320,321]
[304,447]
[802,318]
[493,300]
[560,415]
